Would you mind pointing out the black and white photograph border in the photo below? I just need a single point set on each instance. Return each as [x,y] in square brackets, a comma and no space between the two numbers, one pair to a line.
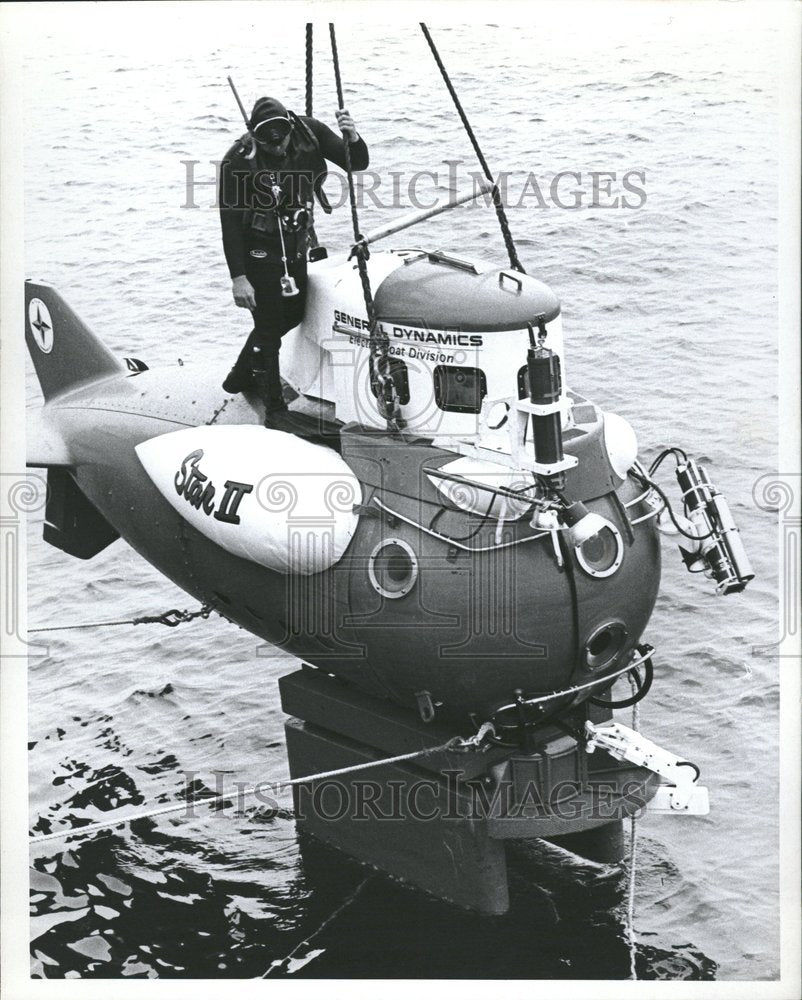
[573,765]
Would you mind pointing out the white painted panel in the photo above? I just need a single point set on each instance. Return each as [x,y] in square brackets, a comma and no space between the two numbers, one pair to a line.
[261,494]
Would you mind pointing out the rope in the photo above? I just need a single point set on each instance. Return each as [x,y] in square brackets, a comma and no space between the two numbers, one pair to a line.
[633,855]
[387,394]
[170,618]
[497,203]
[310,230]
[455,744]
[309,71]
[281,964]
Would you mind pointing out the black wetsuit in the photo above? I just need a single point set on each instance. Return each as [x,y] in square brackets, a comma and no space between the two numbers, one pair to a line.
[251,239]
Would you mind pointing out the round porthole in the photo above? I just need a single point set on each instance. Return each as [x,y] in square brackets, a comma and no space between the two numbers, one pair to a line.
[603,553]
[393,568]
[604,644]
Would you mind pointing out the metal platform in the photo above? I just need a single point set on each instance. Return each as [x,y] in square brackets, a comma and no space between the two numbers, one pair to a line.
[440,822]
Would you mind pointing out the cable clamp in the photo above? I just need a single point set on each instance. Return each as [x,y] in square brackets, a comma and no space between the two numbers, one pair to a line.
[360,249]
[174,617]
[475,742]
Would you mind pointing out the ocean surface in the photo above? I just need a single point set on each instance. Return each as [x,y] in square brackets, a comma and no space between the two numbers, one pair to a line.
[670,316]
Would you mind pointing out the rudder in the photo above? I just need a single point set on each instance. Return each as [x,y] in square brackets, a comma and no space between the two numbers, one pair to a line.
[64,351]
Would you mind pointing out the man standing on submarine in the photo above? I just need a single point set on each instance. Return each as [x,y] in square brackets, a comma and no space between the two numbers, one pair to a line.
[268,179]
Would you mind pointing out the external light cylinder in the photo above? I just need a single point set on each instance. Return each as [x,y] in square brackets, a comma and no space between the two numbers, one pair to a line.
[545,387]
[720,547]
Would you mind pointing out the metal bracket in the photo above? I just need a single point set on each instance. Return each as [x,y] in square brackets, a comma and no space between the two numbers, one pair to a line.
[520,410]
[541,469]
[539,409]
[438,257]
[555,544]
[425,705]
[681,794]
[664,801]
[366,510]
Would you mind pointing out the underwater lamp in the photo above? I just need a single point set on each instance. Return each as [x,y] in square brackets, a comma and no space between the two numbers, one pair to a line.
[582,524]
[597,542]
[716,549]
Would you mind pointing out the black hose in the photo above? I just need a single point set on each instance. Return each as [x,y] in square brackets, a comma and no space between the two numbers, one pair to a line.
[516,729]
[645,481]
[676,452]
[459,538]
[688,763]
[642,686]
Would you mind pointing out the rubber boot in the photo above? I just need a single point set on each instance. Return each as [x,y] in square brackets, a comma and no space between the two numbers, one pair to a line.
[240,378]
[268,383]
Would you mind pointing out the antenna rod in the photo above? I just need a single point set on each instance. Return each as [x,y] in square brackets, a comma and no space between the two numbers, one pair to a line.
[413,218]
[239,102]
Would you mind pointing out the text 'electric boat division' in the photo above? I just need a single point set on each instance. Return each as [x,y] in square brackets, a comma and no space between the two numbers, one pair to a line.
[463,552]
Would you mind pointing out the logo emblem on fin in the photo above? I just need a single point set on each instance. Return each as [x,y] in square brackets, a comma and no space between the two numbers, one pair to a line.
[41,325]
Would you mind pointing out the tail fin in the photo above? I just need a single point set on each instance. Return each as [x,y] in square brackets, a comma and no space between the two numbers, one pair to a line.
[64,351]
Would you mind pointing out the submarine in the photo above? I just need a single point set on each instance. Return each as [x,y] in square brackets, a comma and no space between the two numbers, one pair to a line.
[462,551]
[491,566]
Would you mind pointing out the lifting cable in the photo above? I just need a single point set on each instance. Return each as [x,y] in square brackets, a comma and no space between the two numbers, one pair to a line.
[170,618]
[497,203]
[313,240]
[380,360]
[633,852]
[283,965]
[308,104]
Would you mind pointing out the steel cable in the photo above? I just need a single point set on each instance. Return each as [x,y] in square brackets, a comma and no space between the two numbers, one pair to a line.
[387,396]
[456,744]
[308,104]
[170,618]
[497,203]
[633,855]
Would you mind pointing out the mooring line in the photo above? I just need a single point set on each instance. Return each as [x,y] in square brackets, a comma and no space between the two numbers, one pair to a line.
[310,937]
[170,618]
[455,744]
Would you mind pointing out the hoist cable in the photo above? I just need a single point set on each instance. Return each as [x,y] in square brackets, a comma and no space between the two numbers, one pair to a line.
[308,104]
[387,394]
[497,203]
[632,940]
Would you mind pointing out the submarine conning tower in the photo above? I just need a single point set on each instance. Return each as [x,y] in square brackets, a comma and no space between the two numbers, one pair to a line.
[457,332]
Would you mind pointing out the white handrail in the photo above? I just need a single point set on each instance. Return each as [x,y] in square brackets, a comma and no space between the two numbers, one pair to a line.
[480,188]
